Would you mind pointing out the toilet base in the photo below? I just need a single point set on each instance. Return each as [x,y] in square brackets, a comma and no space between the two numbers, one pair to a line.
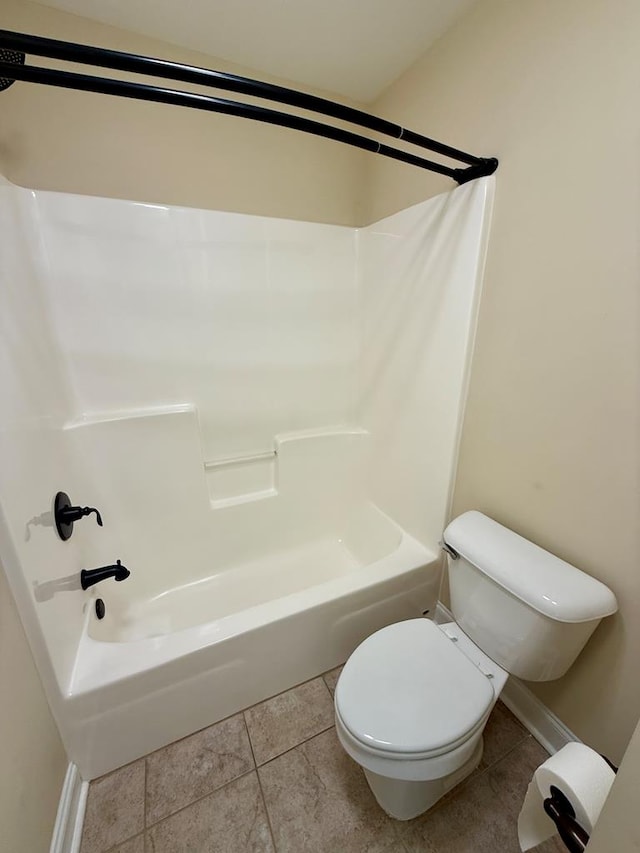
[404,800]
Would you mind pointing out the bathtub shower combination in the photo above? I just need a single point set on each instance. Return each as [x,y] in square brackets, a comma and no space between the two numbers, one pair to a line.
[266,415]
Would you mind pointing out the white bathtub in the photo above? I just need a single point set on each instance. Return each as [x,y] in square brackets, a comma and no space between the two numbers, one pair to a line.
[281,590]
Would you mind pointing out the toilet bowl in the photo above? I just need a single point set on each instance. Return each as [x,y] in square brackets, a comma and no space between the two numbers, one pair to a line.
[381,707]
[412,700]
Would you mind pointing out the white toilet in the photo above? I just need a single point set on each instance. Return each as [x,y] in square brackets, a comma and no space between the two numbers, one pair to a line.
[413,699]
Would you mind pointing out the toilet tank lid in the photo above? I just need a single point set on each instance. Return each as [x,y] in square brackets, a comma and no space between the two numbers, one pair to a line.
[544,582]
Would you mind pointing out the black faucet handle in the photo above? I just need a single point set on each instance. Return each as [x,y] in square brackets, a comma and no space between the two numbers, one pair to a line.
[87,510]
[65,514]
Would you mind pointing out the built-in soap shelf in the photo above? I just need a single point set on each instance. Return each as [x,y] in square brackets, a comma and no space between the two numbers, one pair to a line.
[240,479]
[301,460]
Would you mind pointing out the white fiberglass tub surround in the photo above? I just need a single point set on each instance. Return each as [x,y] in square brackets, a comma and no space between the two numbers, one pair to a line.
[265,412]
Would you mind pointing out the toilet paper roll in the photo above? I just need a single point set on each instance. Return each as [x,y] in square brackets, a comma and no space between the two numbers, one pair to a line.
[582,775]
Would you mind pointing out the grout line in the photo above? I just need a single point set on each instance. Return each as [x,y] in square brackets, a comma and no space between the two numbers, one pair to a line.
[126,841]
[144,811]
[291,748]
[508,752]
[331,692]
[266,811]
[289,689]
[528,736]
[253,754]
[472,778]
[199,799]
[191,734]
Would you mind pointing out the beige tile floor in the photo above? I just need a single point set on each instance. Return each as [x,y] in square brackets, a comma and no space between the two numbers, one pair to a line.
[274,779]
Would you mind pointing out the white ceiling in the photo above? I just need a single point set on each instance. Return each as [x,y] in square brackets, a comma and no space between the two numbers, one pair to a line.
[352,47]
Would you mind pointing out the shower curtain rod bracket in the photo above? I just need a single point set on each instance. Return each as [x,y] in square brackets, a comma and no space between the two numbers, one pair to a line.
[486,166]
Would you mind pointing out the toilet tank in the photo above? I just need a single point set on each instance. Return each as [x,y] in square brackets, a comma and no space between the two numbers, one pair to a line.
[530,611]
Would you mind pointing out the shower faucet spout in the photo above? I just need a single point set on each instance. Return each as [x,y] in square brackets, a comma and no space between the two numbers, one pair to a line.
[89,577]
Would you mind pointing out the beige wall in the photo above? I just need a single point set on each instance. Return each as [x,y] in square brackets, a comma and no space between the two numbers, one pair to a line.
[33,760]
[551,434]
[100,145]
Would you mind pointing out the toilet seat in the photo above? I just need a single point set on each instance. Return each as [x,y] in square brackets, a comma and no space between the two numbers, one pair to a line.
[407,692]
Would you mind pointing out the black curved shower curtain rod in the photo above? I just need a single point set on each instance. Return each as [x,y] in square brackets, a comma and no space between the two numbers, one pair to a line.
[14,46]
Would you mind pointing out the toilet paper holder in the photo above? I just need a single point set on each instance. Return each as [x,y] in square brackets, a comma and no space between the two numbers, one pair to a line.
[562,813]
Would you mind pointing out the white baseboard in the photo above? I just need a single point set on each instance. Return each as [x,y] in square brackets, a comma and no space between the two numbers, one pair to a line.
[543,724]
[67,831]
